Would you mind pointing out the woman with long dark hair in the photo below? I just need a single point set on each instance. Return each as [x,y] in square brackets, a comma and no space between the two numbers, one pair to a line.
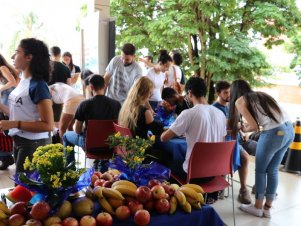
[30,106]
[261,110]
[74,69]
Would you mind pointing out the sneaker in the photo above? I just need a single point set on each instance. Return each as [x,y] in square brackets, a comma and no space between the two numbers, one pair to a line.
[251,209]
[244,196]
[221,194]
[253,189]
[267,213]
[6,161]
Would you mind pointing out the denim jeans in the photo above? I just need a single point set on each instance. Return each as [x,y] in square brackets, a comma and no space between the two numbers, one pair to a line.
[71,138]
[23,148]
[270,150]
[5,94]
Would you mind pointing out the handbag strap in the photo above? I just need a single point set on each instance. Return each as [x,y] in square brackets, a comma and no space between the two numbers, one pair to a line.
[174,73]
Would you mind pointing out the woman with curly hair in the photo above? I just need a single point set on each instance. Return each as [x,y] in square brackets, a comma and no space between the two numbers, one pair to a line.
[30,106]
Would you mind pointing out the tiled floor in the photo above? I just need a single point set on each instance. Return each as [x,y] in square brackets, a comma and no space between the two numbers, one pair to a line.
[286,210]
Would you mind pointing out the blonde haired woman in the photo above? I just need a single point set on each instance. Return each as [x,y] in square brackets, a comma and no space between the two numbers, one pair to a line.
[134,114]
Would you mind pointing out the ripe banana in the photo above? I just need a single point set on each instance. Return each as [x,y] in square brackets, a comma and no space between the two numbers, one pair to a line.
[97,191]
[105,205]
[191,200]
[125,183]
[126,190]
[195,187]
[173,205]
[112,193]
[3,215]
[196,205]
[180,197]
[186,207]
[201,197]
[4,208]
[175,186]
[114,172]
[190,193]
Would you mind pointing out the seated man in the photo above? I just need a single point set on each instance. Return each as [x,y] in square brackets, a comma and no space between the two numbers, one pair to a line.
[222,89]
[201,123]
[98,107]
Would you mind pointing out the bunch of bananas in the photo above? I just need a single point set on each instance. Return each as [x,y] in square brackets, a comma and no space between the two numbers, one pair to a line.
[110,198]
[187,196]
[4,213]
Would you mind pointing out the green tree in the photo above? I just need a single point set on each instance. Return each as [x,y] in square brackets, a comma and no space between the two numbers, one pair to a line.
[218,37]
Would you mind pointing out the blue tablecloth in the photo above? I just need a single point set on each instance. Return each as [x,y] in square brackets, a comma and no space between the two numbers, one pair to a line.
[176,151]
[203,217]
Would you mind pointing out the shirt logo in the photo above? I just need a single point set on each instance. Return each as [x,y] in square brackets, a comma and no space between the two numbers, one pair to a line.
[19,101]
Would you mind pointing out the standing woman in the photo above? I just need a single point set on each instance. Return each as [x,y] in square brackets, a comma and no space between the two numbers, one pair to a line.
[157,75]
[75,70]
[260,109]
[30,107]
[8,77]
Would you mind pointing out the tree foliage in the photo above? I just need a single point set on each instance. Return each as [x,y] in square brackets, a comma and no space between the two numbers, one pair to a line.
[217,37]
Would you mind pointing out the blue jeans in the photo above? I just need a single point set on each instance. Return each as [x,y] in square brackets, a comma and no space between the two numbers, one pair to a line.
[270,150]
[71,138]
[5,94]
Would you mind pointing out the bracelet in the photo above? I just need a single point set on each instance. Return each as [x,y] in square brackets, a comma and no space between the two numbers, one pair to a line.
[19,124]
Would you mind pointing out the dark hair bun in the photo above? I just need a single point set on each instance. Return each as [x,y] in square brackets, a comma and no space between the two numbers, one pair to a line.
[163,52]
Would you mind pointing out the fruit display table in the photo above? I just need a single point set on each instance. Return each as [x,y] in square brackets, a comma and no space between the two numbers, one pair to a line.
[206,216]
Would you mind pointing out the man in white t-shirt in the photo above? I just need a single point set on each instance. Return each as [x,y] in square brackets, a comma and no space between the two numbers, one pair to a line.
[121,73]
[202,123]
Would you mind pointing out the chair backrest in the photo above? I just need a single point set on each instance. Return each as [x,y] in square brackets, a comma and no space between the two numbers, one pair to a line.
[124,131]
[210,159]
[98,132]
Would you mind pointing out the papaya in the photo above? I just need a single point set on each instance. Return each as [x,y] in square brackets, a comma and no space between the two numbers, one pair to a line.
[19,194]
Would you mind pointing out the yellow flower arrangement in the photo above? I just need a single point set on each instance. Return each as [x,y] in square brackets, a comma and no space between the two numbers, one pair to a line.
[130,149]
[50,162]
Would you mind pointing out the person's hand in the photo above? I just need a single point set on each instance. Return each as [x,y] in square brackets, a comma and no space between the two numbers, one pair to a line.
[143,60]
[6,124]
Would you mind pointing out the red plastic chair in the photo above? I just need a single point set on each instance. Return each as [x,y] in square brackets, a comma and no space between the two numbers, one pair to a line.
[211,160]
[96,146]
[124,131]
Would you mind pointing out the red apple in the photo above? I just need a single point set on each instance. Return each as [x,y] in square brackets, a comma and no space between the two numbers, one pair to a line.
[70,221]
[99,182]
[87,221]
[107,184]
[16,220]
[162,206]
[143,194]
[153,182]
[40,210]
[142,218]
[104,219]
[149,205]
[134,206]
[169,190]
[33,222]
[18,208]
[158,192]
[97,173]
[94,178]
[123,213]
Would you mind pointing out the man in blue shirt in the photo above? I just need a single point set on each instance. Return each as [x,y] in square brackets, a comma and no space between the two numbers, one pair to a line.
[222,89]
